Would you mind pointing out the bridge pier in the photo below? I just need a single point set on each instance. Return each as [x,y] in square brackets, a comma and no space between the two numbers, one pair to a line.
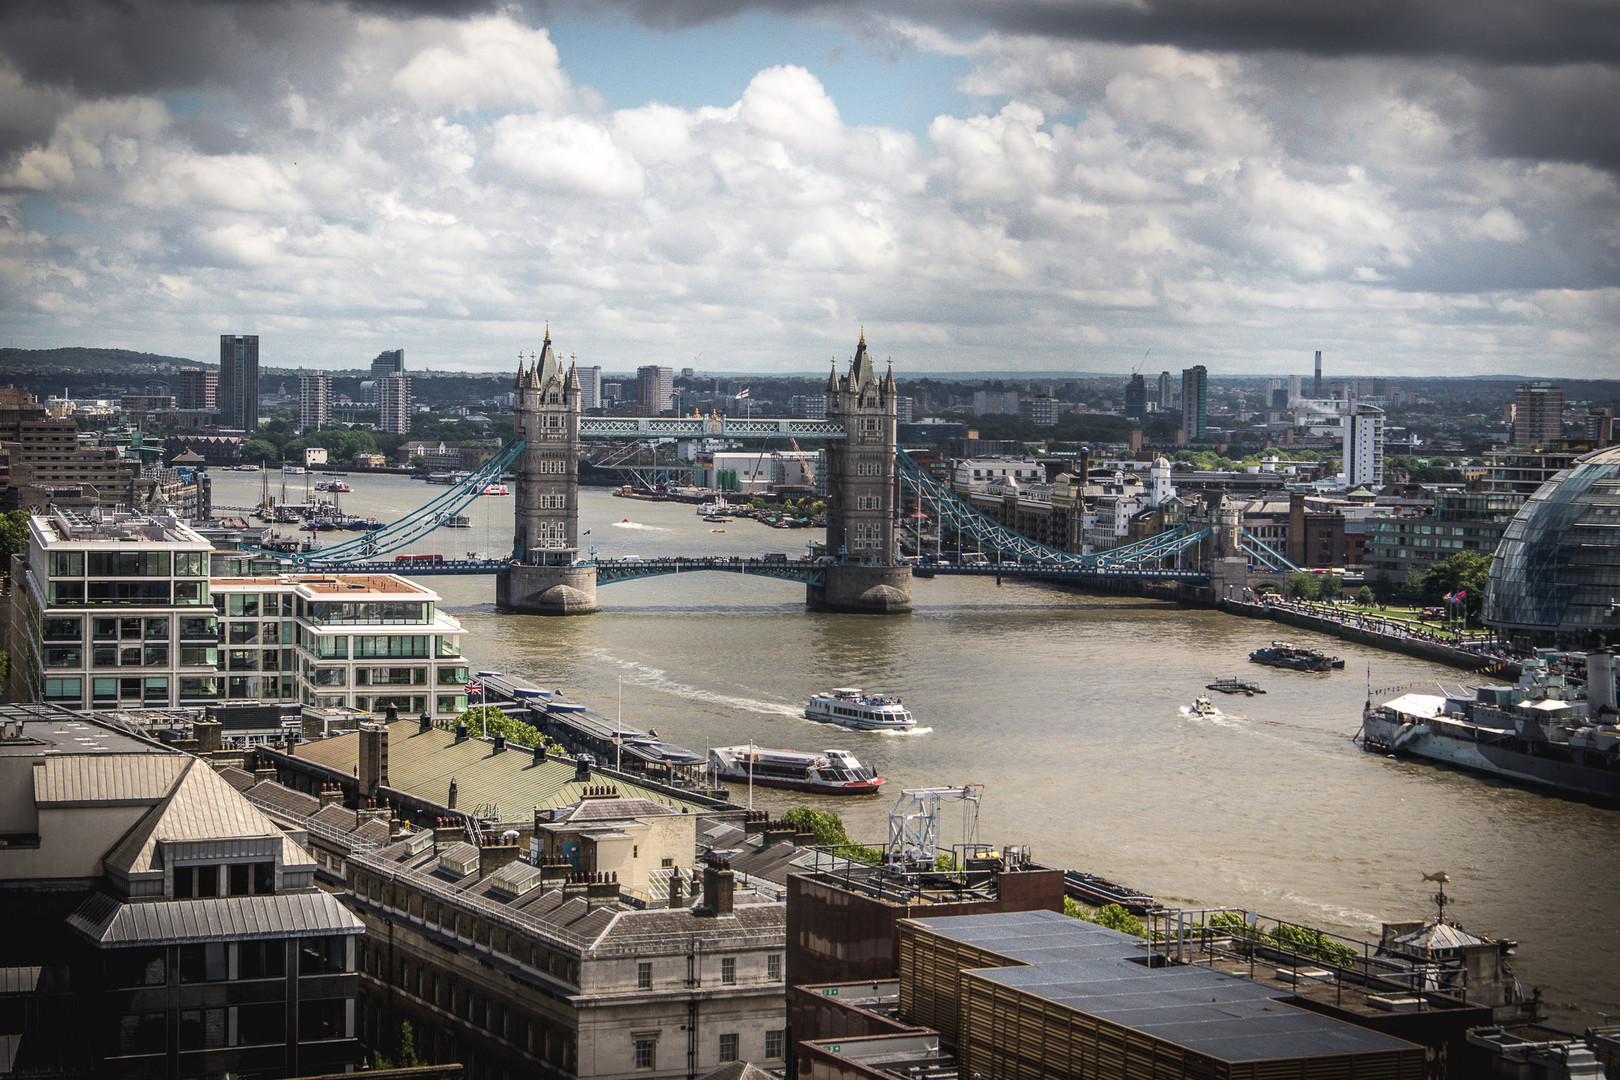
[546,590]
[862,590]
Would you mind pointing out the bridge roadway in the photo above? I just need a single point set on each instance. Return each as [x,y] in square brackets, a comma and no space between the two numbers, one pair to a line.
[805,571]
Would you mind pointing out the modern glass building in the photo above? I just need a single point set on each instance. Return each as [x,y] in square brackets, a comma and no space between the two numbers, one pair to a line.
[1555,579]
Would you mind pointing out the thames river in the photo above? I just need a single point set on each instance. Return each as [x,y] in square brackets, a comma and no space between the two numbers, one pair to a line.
[1070,710]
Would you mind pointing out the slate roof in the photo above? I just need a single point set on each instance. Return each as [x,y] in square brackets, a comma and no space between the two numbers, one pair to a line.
[422,763]
[620,809]
[1098,972]
[284,798]
[240,779]
[1439,936]
[113,922]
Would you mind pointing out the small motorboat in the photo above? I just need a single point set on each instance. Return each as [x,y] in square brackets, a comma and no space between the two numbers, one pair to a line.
[1202,706]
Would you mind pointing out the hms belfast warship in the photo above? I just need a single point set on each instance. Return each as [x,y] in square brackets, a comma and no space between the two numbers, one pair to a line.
[1545,731]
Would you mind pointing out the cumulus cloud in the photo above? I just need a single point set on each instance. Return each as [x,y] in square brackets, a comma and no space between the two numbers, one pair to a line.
[1233,182]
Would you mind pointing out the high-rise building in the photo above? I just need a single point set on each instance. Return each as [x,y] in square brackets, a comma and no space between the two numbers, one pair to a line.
[1538,414]
[1167,391]
[590,388]
[1318,375]
[239,382]
[1136,398]
[388,362]
[1293,391]
[1363,445]
[394,404]
[655,389]
[314,402]
[1195,401]
[196,388]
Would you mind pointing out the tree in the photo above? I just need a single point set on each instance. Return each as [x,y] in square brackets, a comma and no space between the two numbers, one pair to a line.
[13,537]
[1331,586]
[1468,571]
[491,720]
[1364,596]
[828,829]
[1303,586]
[260,450]
[1112,916]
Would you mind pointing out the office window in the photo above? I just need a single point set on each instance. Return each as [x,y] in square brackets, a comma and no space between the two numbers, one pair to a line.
[202,1028]
[142,1033]
[644,975]
[261,960]
[773,1043]
[773,966]
[728,972]
[646,1052]
[203,963]
[728,1047]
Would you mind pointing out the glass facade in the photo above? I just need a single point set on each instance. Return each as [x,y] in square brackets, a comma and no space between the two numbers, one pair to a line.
[1556,574]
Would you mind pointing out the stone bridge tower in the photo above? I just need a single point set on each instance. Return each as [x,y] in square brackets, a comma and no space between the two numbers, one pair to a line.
[865,575]
[543,578]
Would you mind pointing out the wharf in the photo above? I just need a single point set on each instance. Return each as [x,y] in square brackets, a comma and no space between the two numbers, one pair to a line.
[1435,651]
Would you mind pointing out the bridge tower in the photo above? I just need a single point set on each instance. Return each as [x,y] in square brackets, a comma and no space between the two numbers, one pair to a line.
[543,578]
[865,575]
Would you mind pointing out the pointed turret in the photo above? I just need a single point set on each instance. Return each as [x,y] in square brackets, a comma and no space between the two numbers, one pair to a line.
[546,368]
[572,382]
[888,379]
[860,369]
[832,380]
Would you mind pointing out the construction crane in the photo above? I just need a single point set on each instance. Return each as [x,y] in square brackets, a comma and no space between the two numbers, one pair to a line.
[914,823]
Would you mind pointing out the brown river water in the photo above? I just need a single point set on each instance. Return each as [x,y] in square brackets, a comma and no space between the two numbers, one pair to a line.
[1070,709]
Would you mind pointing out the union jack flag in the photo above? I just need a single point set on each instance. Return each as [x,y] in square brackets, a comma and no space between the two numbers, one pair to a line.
[474,690]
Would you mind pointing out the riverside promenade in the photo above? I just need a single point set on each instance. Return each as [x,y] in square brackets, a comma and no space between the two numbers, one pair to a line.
[1349,624]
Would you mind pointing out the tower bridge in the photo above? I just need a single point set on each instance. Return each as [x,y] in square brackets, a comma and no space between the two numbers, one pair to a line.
[866,477]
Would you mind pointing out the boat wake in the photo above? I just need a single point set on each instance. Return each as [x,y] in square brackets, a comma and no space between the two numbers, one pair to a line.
[1216,718]
[658,679]
[893,733]
[628,524]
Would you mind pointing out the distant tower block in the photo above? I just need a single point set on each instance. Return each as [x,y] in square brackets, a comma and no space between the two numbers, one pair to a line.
[865,576]
[543,578]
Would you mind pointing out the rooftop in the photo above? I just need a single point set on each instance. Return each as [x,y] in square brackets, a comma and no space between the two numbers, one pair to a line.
[422,764]
[101,527]
[1103,973]
[34,730]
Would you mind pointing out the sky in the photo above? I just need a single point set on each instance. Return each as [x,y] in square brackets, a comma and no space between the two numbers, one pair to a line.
[1417,187]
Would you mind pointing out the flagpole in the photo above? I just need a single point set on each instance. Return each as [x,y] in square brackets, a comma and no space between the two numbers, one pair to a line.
[618,728]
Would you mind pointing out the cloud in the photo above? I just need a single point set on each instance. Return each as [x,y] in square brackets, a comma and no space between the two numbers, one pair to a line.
[436,177]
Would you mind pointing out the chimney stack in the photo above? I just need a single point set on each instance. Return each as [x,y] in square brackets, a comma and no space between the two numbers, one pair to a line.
[207,734]
[373,759]
[718,885]
[677,889]
[451,802]
[539,753]
[582,768]
[424,723]
[390,714]
[554,870]
[500,742]
[1318,393]
[494,855]
[461,732]
[330,794]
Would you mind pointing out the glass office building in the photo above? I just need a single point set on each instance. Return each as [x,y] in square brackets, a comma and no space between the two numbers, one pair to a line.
[1555,579]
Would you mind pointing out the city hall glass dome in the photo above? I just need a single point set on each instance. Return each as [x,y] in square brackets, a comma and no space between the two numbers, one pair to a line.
[1555,578]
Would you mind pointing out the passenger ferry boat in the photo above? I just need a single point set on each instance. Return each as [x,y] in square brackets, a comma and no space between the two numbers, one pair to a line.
[828,772]
[332,485]
[850,707]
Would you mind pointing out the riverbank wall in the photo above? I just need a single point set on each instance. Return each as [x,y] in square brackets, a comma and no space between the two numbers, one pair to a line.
[1434,651]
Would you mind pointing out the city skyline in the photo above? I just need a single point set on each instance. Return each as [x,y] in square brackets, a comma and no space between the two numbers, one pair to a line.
[1019,188]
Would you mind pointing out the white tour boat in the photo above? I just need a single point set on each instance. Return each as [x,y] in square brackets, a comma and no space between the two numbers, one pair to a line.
[825,772]
[850,707]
